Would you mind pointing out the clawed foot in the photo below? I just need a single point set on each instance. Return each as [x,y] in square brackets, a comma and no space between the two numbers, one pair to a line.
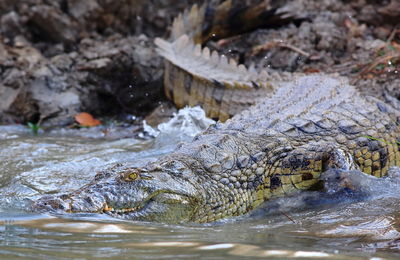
[348,181]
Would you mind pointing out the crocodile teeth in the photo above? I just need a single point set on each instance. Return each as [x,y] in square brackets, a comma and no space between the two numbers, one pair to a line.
[107,208]
[110,209]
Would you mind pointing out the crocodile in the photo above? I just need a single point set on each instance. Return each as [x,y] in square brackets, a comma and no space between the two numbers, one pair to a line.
[279,146]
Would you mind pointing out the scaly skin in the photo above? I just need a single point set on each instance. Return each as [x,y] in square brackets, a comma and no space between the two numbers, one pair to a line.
[280,146]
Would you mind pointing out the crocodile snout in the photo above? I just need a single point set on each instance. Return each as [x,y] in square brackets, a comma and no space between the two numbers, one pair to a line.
[51,203]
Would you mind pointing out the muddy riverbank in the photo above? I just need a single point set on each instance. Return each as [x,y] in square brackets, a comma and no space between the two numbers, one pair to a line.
[58,58]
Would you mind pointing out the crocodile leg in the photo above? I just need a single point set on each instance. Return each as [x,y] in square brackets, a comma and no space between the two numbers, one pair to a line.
[302,169]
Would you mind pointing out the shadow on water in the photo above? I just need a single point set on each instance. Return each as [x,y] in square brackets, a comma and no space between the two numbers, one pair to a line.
[310,225]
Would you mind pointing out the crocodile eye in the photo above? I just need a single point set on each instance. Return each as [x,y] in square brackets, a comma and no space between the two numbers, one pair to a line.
[133,176]
[130,175]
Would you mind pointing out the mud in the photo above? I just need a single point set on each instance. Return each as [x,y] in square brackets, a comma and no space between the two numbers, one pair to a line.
[58,58]
[341,37]
[61,57]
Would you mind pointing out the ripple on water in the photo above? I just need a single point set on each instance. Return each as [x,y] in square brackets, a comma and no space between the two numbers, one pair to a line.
[285,228]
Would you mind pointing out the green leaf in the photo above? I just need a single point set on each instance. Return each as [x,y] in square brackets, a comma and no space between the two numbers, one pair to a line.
[34,128]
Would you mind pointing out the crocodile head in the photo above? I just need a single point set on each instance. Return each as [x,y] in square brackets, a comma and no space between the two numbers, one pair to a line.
[146,194]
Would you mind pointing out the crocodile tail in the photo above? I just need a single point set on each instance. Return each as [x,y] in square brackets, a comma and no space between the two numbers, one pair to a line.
[205,22]
[197,76]
[190,23]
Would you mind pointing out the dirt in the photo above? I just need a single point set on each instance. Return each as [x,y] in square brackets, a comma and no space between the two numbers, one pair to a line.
[340,37]
[62,57]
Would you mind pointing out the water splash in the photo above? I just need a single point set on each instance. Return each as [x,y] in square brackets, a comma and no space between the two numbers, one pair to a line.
[184,125]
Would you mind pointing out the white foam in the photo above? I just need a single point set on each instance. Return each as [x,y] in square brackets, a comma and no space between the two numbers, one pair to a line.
[184,125]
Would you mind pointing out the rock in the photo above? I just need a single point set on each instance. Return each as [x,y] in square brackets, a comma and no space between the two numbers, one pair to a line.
[8,95]
[379,14]
[11,24]
[390,12]
[95,64]
[79,9]
[53,24]
[161,114]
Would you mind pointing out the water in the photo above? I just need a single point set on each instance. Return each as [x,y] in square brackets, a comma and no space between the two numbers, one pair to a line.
[63,160]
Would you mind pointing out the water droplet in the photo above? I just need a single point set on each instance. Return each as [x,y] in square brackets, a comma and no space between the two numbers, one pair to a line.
[213,35]
[146,94]
[131,95]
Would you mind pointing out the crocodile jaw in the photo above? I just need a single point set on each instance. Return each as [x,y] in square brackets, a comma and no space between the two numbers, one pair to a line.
[157,197]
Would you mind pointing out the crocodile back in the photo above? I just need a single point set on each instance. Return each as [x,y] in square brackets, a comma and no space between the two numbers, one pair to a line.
[320,110]
[313,111]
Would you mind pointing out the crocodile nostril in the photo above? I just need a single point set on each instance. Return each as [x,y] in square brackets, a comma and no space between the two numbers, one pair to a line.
[64,197]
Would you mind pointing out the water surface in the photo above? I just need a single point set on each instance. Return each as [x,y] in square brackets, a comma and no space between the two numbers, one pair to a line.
[63,160]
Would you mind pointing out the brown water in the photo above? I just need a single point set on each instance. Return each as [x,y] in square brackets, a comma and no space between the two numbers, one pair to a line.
[60,161]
